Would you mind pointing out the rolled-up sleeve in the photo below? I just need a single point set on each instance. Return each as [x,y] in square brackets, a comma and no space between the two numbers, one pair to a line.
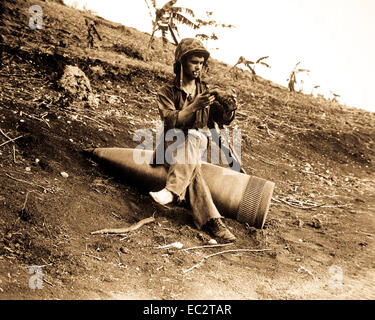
[167,108]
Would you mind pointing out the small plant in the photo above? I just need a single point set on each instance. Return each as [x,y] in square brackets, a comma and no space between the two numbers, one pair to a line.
[251,65]
[205,38]
[314,89]
[334,96]
[164,19]
[211,23]
[292,78]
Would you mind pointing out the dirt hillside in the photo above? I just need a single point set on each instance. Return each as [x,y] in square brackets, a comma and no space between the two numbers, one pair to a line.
[319,233]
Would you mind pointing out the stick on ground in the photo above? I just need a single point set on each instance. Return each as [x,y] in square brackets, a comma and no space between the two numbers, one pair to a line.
[126,229]
[9,139]
[208,246]
[24,204]
[222,252]
[45,190]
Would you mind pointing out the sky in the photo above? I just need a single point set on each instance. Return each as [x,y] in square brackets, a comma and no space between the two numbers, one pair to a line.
[334,39]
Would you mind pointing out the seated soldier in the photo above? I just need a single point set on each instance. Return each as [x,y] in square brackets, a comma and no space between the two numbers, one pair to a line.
[185,108]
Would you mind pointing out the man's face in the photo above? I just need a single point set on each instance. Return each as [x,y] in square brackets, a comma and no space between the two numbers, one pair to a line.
[193,66]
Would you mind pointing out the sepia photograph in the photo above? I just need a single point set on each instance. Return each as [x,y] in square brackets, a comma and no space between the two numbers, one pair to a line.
[187,157]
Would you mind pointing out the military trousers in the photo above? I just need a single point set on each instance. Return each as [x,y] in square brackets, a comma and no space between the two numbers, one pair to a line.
[185,179]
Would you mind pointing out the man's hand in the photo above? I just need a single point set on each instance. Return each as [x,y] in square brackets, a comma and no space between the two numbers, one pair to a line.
[203,100]
[227,99]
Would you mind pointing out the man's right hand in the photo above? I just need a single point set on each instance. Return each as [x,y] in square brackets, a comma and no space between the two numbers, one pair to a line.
[201,101]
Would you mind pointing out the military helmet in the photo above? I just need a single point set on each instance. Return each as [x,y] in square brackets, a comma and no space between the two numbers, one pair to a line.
[188,46]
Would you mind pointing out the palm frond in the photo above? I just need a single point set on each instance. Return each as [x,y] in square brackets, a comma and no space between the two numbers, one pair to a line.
[181,9]
[262,58]
[159,13]
[241,59]
[169,5]
[223,25]
[303,70]
[203,23]
[202,36]
[213,36]
[183,20]
[265,64]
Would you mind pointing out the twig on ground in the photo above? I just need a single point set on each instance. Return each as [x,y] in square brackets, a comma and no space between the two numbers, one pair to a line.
[294,128]
[97,121]
[337,196]
[365,233]
[242,114]
[315,174]
[268,129]
[265,161]
[116,97]
[296,204]
[4,134]
[45,190]
[126,229]
[45,120]
[177,245]
[302,268]
[90,255]
[9,249]
[171,230]
[269,132]
[307,205]
[208,246]
[24,204]
[153,92]
[46,281]
[101,122]
[9,139]
[115,215]
[39,119]
[223,252]
[336,206]
[14,154]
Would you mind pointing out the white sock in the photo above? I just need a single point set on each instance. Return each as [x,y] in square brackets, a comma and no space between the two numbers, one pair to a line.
[163,196]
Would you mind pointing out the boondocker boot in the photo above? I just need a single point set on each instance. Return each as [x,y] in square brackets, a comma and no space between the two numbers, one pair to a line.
[218,229]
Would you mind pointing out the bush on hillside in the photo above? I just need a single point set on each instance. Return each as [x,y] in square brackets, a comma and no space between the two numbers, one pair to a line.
[128,50]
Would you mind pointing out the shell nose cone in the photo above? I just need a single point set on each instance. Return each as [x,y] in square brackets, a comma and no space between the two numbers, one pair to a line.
[88,152]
